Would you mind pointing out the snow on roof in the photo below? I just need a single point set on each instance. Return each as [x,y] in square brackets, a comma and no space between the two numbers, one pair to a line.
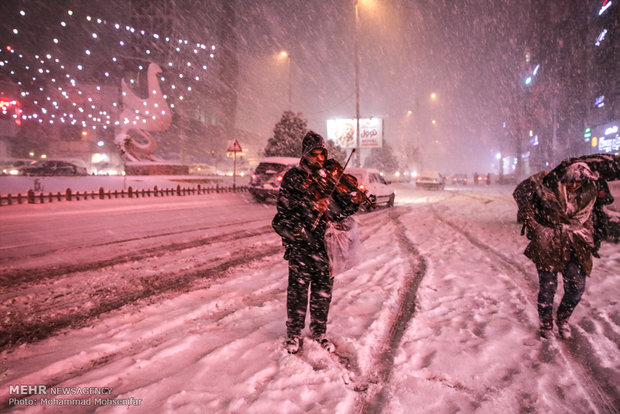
[281,160]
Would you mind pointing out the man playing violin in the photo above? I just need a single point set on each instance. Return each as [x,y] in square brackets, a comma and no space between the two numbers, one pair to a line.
[306,203]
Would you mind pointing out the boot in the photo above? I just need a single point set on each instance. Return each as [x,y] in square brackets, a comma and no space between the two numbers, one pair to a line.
[293,345]
[563,328]
[546,328]
[326,344]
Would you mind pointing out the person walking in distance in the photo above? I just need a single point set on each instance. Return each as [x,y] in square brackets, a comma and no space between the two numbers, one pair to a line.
[301,220]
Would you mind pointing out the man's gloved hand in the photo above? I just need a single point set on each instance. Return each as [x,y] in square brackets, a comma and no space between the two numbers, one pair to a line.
[585,235]
[321,205]
[358,197]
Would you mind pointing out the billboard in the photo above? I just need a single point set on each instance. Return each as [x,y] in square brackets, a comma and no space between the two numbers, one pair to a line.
[342,132]
[604,138]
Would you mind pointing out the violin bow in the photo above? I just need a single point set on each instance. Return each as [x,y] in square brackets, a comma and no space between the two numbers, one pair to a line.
[316,222]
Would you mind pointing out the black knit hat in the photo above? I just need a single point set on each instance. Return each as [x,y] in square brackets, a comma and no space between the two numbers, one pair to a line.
[312,141]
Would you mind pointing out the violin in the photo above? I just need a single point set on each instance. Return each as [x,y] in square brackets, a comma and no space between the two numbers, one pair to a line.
[333,178]
[344,183]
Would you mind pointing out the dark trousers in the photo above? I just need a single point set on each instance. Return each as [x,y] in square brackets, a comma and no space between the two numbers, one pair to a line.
[574,285]
[308,272]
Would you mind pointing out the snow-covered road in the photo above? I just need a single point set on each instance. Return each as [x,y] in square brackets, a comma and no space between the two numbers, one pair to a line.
[179,303]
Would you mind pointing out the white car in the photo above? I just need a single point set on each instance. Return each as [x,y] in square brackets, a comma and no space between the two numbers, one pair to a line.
[378,189]
[430,180]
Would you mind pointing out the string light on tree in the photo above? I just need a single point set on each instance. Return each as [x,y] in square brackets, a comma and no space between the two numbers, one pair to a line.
[43,92]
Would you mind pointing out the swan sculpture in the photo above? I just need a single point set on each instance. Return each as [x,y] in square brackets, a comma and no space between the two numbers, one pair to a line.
[140,116]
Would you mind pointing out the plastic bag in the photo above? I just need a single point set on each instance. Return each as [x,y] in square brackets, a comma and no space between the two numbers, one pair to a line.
[344,248]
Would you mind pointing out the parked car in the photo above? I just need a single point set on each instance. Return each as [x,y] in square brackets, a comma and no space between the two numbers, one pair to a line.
[379,190]
[430,180]
[53,167]
[267,177]
[13,166]
[459,179]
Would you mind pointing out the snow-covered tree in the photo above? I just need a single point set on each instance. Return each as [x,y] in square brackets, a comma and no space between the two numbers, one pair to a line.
[288,134]
[382,159]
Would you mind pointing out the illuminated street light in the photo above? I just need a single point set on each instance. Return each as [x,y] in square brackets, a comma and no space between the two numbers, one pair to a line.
[433,98]
[286,55]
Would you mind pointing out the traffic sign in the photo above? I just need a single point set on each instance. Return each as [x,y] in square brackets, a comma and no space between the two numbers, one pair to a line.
[235,147]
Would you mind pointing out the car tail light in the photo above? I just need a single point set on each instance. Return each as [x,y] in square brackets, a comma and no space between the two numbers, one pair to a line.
[279,178]
[361,187]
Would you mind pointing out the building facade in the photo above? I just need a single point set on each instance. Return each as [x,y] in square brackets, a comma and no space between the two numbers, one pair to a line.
[566,98]
[602,121]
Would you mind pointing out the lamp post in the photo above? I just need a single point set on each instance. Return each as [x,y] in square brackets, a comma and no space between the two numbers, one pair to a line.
[288,56]
[425,126]
[357,87]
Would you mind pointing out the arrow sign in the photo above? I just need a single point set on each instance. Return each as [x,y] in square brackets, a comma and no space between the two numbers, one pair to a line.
[234,147]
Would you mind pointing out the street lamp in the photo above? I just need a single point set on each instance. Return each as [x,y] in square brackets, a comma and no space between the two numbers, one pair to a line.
[368,3]
[285,54]
[357,86]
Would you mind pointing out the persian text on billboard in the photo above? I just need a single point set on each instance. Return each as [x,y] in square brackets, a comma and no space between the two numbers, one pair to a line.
[342,132]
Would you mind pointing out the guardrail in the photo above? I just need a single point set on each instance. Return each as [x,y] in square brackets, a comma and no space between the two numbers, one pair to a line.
[40,198]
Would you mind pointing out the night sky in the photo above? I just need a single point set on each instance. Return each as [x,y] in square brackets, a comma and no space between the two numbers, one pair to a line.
[464,51]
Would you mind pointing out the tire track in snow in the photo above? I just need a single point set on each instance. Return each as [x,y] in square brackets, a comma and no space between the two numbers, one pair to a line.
[22,276]
[152,343]
[506,262]
[374,398]
[114,296]
[599,389]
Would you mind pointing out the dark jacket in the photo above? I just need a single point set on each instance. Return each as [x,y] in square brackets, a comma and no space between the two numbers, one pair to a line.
[295,217]
[559,228]
[301,187]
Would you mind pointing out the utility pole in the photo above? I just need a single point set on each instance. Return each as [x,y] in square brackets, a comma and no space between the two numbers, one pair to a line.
[554,126]
[290,84]
[357,87]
